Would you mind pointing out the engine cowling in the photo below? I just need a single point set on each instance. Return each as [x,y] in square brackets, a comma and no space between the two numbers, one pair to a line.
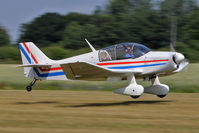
[159,90]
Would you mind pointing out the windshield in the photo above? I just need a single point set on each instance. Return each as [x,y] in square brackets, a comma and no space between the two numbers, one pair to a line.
[123,51]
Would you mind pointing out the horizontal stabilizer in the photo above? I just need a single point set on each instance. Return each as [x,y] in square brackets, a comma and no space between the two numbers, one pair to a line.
[34,65]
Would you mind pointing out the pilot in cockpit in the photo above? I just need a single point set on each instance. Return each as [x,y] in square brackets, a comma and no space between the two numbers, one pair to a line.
[129,51]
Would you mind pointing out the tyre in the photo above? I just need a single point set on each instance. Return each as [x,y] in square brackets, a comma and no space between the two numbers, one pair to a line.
[28,88]
[135,97]
[161,96]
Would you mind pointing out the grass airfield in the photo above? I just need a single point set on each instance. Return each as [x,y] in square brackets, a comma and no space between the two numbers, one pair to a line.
[73,107]
[62,111]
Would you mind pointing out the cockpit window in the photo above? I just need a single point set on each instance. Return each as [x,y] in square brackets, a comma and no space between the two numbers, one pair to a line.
[139,50]
[122,51]
[107,54]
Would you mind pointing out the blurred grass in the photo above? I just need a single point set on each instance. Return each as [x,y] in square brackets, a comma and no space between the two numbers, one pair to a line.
[11,77]
[96,112]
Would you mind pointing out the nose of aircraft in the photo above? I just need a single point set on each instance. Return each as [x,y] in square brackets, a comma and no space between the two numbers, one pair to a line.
[178,58]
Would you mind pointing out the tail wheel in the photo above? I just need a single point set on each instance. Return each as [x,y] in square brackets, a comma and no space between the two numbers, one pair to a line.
[29,88]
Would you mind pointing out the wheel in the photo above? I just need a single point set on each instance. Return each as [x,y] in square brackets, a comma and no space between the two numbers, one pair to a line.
[161,96]
[29,88]
[135,97]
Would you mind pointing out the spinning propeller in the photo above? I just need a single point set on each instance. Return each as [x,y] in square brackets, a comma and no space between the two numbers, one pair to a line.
[180,61]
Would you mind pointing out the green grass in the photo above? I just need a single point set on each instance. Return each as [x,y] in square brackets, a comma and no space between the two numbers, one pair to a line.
[11,77]
[96,112]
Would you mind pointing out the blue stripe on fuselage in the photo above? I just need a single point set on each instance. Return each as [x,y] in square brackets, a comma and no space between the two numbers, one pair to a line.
[48,74]
[127,67]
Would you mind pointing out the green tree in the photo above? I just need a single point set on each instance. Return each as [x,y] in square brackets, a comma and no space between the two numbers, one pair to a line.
[116,7]
[44,30]
[177,7]
[55,52]
[191,29]
[177,11]
[75,34]
[108,30]
[138,21]
[4,37]
[77,17]
[9,52]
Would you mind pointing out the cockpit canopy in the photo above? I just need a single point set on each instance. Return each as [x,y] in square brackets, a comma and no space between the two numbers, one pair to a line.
[123,51]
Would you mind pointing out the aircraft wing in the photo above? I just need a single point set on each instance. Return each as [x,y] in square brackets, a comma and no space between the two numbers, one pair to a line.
[87,71]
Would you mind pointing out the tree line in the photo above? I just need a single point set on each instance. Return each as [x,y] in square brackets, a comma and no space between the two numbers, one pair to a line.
[147,22]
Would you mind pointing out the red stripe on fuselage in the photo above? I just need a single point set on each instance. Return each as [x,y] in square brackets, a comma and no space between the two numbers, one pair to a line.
[49,69]
[132,62]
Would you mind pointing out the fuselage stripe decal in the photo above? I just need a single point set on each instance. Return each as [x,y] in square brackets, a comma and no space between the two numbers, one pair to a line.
[132,62]
[25,54]
[49,69]
[48,74]
[26,47]
[33,57]
[126,67]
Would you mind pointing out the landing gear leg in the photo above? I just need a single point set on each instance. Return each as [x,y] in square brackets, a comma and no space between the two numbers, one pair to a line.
[133,89]
[161,90]
[29,87]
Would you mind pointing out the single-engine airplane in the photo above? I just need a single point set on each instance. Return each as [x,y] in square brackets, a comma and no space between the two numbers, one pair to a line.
[124,61]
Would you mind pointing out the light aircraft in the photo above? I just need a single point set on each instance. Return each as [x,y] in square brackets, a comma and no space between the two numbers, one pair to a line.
[124,61]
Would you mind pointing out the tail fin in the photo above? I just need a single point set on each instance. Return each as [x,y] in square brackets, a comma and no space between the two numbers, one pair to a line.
[31,54]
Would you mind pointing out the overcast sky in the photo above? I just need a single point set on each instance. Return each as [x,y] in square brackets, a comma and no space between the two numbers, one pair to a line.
[13,13]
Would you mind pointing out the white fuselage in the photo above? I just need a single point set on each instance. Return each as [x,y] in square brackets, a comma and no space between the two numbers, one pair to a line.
[150,63]
[114,63]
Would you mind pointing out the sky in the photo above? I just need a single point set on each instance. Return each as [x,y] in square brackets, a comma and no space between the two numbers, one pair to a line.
[13,13]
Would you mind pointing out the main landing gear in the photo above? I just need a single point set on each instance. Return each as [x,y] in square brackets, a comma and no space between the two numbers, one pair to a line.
[133,89]
[29,87]
[161,90]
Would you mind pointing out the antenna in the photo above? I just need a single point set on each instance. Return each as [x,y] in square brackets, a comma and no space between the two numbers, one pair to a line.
[92,48]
